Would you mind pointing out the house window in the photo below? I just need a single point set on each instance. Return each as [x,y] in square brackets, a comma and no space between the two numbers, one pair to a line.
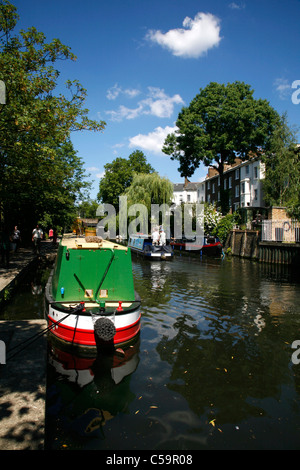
[208,184]
[255,194]
[247,170]
[255,172]
[237,173]
[208,198]
[225,184]
[243,188]
[213,188]
[188,198]
[237,191]
[218,195]
[218,180]
[230,182]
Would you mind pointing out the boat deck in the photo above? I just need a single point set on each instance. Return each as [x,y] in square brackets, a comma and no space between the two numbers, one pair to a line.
[90,243]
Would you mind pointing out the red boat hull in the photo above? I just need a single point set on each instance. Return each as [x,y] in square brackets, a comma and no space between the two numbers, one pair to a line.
[79,329]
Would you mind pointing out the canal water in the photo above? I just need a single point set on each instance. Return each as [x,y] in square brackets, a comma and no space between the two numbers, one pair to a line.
[213,367]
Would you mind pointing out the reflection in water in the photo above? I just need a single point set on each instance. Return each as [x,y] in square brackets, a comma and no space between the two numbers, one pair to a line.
[84,393]
[212,370]
[225,330]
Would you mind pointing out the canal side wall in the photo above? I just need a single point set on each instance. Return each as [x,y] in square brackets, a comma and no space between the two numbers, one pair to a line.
[23,362]
[243,243]
[247,244]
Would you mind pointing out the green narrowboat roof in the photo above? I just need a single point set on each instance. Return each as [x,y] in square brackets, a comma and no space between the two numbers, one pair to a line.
[92,269]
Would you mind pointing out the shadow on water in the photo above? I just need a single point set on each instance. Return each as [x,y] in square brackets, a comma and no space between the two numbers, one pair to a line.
[212,368]
[27,300]
[85,394]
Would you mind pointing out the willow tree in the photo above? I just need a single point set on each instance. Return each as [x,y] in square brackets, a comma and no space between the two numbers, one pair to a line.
[221,123]
[35,123]
[150,195]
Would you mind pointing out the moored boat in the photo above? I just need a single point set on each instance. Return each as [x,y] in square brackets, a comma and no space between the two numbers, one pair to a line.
[90,296]
[210,246]
[143,245]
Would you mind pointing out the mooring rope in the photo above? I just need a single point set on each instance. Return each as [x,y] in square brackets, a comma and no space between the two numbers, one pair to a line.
[35,337]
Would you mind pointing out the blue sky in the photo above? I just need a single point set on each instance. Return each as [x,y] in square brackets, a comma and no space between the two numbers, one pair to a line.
[142,60]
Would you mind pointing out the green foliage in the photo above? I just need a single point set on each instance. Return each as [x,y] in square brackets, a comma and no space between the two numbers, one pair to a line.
[216,224]
[282,177]
[149,189]
[41,175]
[119,175]
[211,218]
[221,123]
[224,226]
[87,209]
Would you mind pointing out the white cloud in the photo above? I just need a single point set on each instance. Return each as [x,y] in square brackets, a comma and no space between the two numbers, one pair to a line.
[157,103]
[283,87]
[92,168]
[237,6]
[113,92]
[153,141]
[197,36]
[125,113]
[95,170]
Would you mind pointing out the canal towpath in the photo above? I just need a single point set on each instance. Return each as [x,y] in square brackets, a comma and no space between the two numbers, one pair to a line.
[23,356]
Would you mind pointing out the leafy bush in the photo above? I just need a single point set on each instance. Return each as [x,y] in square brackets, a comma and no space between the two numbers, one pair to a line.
[224,226]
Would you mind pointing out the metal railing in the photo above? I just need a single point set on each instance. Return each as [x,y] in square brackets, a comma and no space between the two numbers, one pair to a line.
[287,231]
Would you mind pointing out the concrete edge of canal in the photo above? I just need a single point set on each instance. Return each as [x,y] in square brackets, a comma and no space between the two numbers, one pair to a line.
[23,385]
[23,366]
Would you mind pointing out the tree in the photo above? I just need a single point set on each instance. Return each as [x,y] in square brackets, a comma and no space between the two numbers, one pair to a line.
[221,123]
[87,209]
[119,174]
[148,189]
[281,184]
[35,124]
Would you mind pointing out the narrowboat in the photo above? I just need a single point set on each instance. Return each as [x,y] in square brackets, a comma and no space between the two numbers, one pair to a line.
[90,299]
[210,246]
[142,244]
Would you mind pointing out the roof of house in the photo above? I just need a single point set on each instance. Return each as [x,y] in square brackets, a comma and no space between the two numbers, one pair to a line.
[186,187]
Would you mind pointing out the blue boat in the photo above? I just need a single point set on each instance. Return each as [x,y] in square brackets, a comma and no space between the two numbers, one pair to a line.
[142,244]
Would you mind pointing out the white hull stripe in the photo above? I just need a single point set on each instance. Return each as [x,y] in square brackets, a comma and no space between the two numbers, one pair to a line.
[85,322]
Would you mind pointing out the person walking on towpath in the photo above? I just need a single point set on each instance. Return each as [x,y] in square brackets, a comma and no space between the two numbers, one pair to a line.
[37,235]
[16,238]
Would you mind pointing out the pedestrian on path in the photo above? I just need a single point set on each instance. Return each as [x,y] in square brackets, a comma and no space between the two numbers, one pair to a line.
[16,238]
[37,235]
